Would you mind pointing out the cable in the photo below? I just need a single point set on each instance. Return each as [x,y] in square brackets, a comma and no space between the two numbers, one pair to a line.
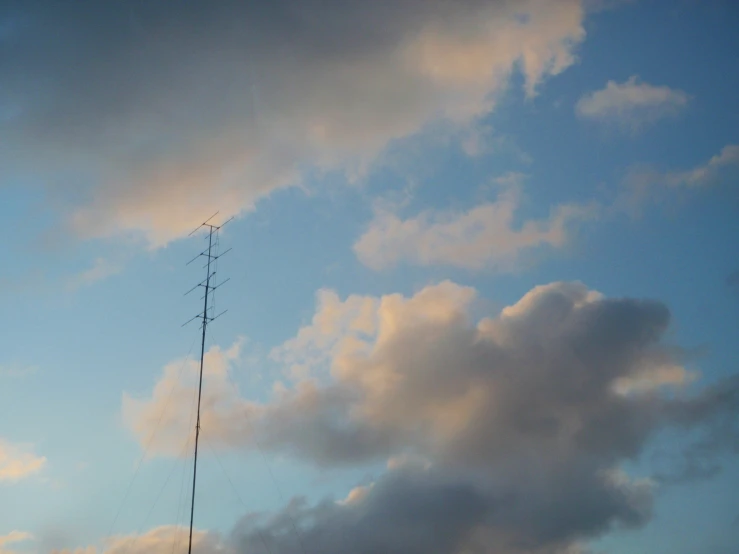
[180,504]
[149,442]
[180,507]
[276,484]
[166,482]
[296,530]
[159,496]
[236,492]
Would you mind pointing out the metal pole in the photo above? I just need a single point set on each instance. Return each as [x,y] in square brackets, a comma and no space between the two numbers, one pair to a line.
[200,388]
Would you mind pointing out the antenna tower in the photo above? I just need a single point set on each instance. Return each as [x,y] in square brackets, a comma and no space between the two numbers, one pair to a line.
[210,284]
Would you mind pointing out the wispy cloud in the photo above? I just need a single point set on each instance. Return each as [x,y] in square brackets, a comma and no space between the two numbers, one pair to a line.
[18,461]
[484,237]
[12,538]
[632,105]
[643,184]
[17,371]
[707,173]
[101,269]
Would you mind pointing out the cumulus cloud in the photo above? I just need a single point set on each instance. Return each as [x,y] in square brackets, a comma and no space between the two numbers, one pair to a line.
[334,319]
[486,236]
[18,461]
[631,105]
[505,432]
[142,117]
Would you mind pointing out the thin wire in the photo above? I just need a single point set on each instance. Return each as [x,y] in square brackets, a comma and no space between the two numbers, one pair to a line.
[159,496]
[298,534]
[236,492]
[183,455]
[149,442]
[276,483]
[296,530]
[181,507]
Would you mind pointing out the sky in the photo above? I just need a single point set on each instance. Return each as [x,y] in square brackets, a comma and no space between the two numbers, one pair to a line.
[483,285]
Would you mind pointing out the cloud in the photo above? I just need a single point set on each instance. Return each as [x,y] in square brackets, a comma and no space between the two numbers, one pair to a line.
[17,371]
[166,539]
[174,395]
[318,342]
[12,538]
[408,511]
[701,459]
[485,237]
[707,173]
[504,433]
[141,117]
[429,512]
[632,105]
[101,269]
[18,462]
[654,378]
[648,183]
[385,373]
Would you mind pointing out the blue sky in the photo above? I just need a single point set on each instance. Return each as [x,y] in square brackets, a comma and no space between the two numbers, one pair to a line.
[415,150]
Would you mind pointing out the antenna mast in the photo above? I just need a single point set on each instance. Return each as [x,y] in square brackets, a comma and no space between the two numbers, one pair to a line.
[206,316]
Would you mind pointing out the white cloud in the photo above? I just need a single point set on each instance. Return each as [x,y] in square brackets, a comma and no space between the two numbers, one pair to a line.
[631,105]
[154,145]
[12,538]
[176,391]
[18,461]
[333,321]
[486,236]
